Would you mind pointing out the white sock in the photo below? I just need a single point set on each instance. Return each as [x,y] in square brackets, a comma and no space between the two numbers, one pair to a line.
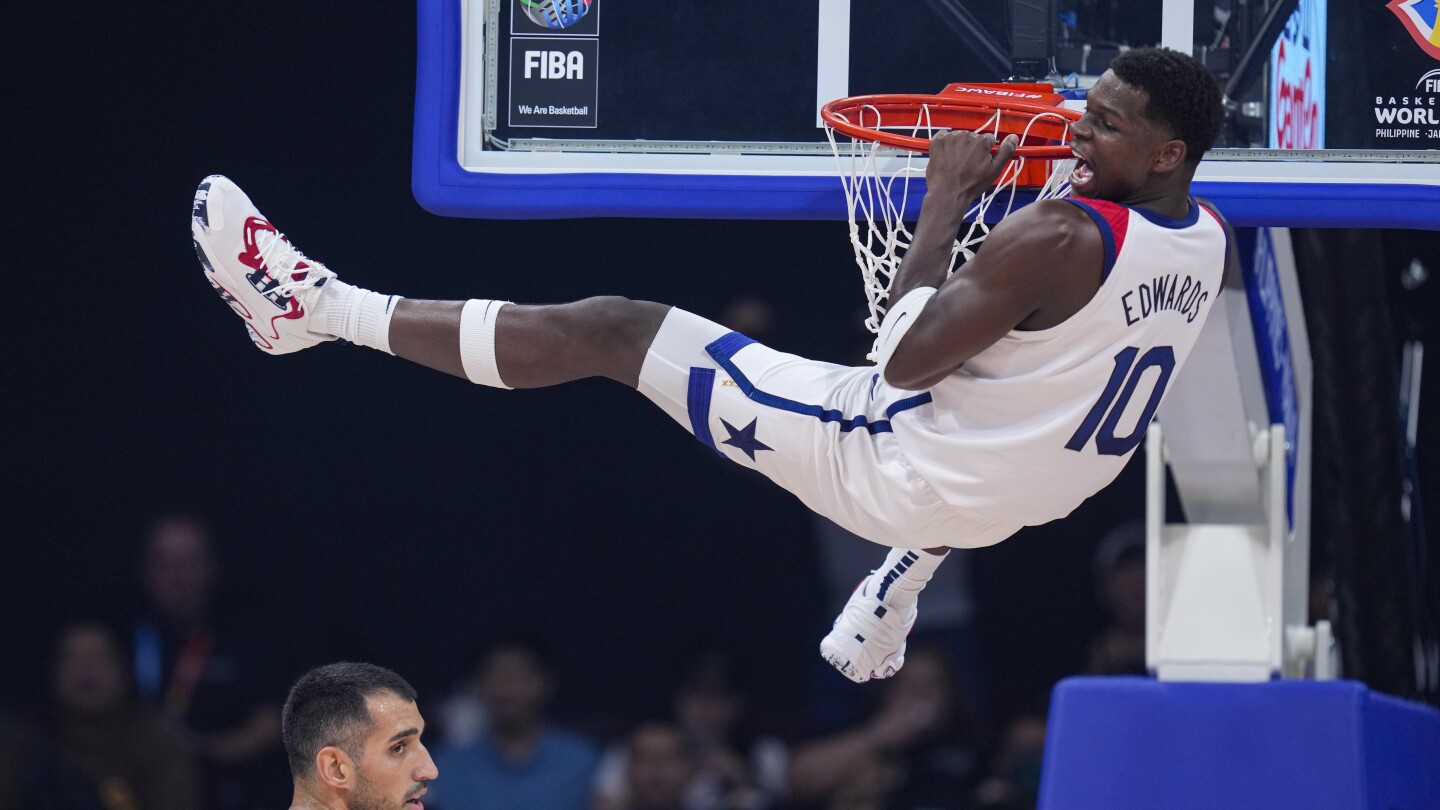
[900,579]
[354,314]
[477,341]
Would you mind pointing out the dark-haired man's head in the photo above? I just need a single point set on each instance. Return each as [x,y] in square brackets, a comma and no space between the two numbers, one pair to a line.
[352,735]
[1181,95]
[1148,121]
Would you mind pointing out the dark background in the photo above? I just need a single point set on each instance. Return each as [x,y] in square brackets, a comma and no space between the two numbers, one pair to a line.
[367,508]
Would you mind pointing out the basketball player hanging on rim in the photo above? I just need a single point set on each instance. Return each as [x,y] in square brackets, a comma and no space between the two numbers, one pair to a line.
[1002,396]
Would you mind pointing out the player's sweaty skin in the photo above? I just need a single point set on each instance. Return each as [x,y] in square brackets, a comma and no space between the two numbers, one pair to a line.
[537,346]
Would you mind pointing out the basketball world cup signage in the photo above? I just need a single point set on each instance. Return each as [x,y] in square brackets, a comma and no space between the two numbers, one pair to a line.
[1407,97]
[1297,80]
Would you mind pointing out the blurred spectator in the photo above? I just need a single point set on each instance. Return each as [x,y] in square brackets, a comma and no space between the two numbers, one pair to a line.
[518,761]
[660,768]
[734,771]
[10,741]
[1014,781]
[918,750]
[204,673]
[1119,649]
[751,316]
[94,747]
[1322,605]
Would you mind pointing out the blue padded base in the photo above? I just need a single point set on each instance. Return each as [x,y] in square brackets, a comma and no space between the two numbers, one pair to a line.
[1140,743]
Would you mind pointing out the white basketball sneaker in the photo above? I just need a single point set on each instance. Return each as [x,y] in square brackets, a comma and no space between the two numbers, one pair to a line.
[868,639]
[254,268]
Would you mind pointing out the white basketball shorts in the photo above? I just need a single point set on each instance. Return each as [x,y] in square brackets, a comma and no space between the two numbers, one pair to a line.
[820,430]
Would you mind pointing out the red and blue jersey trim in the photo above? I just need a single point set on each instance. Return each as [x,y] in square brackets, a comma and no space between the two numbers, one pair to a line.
[1215,215]
[1113,220]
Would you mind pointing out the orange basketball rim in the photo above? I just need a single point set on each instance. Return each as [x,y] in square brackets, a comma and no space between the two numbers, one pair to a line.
[906,121]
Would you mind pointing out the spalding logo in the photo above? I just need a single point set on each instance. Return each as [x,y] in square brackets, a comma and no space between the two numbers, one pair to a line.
[1419,18]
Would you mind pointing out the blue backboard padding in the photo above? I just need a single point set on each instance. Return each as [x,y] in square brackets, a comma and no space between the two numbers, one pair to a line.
[442,187]
[1325,205]
[1137,742]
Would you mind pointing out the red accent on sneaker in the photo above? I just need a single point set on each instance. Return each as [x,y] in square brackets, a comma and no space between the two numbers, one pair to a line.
[229,298]
[295,311]
[250,257]
[258,340]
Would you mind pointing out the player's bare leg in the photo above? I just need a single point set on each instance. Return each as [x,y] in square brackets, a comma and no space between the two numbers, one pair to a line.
[289,302]
[536,346]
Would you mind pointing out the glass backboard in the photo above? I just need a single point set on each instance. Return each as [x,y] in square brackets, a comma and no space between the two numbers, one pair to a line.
[603,108]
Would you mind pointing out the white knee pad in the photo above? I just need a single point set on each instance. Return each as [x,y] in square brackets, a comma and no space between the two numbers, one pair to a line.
[477,341]
[898,320]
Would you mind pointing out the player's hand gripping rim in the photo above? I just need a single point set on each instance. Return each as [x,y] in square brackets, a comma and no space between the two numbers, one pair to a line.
[963,164]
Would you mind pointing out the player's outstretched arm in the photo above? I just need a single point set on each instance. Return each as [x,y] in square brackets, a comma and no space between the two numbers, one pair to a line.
[1036,268]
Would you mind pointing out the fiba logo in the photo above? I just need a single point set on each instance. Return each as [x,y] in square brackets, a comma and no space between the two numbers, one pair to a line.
[1430,82]
[556,14]
[1421,19]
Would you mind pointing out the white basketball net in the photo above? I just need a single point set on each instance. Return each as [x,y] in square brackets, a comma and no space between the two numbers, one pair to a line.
[876,179]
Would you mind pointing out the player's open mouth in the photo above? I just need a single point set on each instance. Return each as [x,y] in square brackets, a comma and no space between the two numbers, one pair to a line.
[414,803]
[1082,173]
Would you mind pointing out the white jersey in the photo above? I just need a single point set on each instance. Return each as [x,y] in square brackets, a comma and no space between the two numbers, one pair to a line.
[1030,427]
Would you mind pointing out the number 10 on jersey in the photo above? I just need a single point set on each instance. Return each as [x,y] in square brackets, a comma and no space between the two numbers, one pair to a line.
[1116,397]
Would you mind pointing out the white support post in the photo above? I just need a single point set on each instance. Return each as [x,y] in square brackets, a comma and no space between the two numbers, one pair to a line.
[1213,590]
[832,61]
[1177,25]
[1226,592]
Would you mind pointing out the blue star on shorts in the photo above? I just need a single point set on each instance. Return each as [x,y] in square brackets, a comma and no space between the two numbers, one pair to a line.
[744,438]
